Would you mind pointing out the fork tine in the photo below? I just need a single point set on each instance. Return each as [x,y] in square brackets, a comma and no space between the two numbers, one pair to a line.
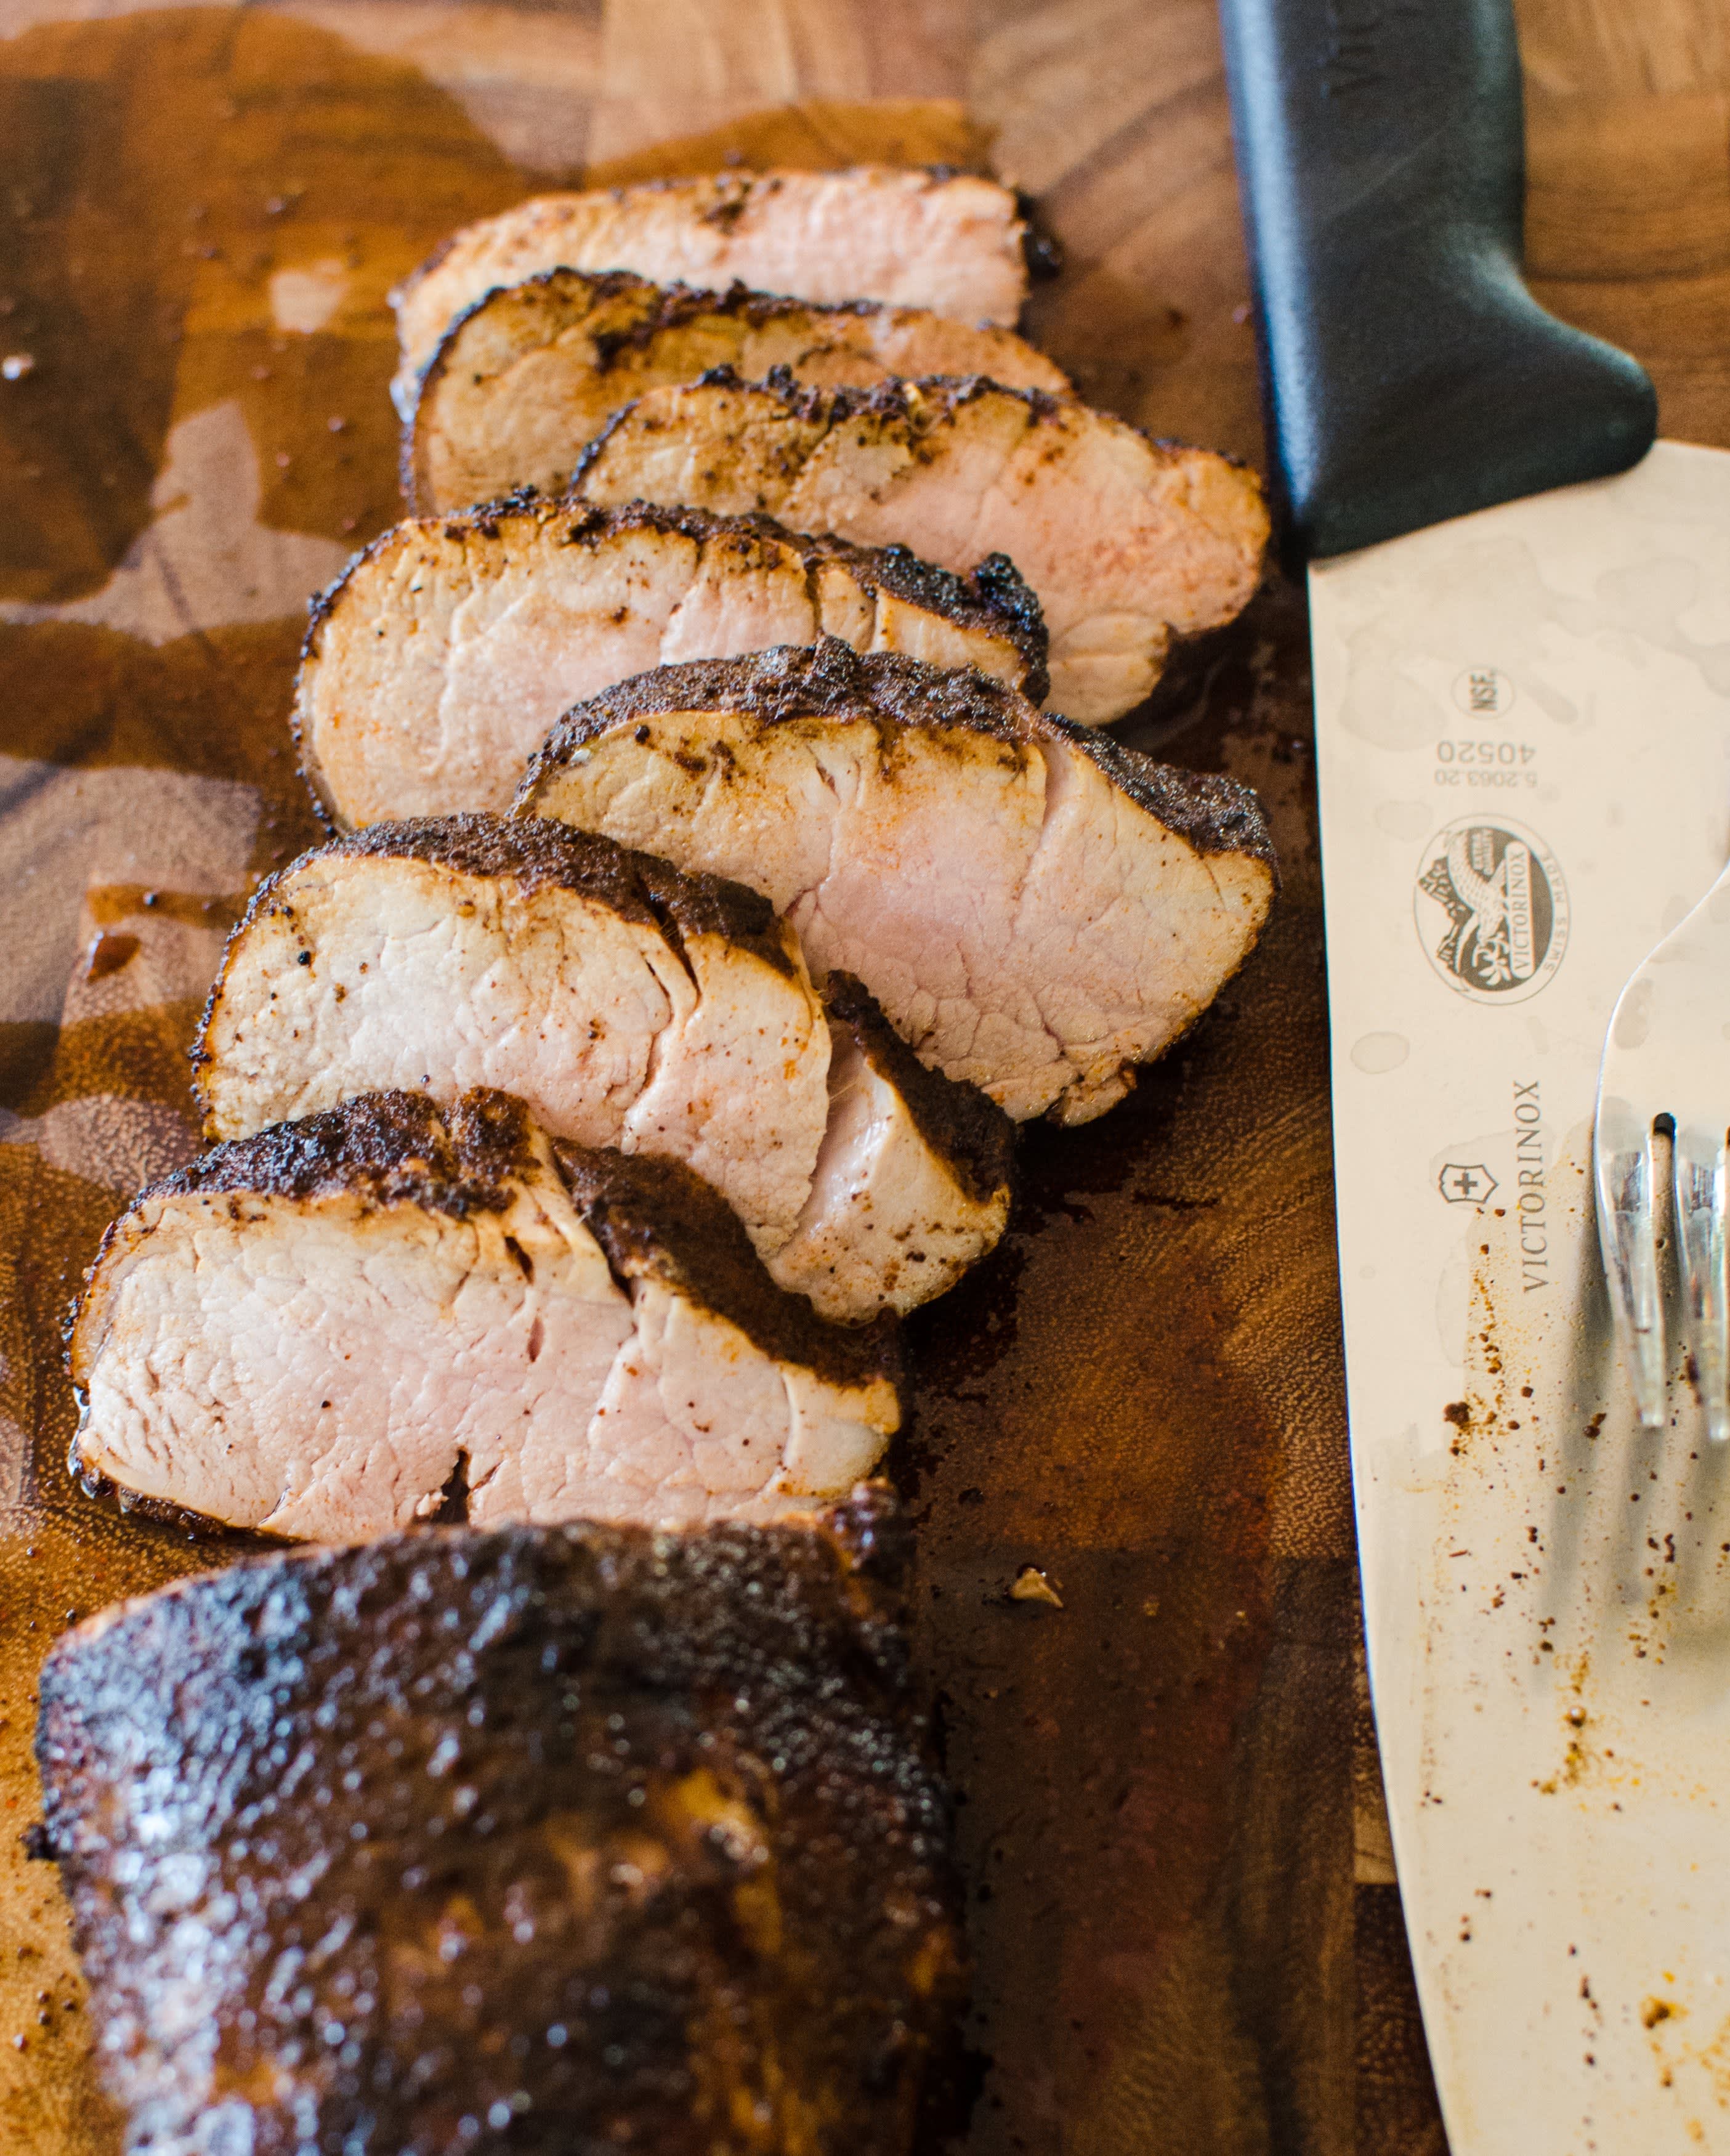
[1628,1238]
[1701,1180]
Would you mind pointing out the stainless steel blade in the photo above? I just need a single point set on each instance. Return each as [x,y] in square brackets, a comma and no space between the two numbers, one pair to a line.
[1523,720]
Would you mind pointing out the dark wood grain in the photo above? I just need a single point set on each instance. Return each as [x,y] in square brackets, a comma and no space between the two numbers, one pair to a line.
[1186,1930]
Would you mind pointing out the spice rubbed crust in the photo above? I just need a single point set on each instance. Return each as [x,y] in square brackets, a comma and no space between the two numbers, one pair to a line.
[1129,544]
[566,1827]
[1216,815]
[524,377]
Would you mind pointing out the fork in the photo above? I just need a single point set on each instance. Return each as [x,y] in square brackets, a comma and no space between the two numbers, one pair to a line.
[1666,1062]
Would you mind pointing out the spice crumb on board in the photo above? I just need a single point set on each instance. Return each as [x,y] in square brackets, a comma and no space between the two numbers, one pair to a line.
[1032,1585]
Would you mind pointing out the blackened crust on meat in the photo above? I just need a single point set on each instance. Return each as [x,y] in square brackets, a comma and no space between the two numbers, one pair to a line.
[198,1527]
[1216,815]
[535,852]
[994,598]
[589,524]
[529,851]
[640,1826]
[690,903]
[965,1126]
[662,307]
[319,606]
[640,886]
[830,680]
[1002,588]
[930,396]
[389,1148]
[920,401]
[657,1219]
[917,402]
[827,679]
[562,298]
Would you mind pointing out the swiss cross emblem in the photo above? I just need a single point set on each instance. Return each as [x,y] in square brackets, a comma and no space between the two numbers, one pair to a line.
[1470,1184]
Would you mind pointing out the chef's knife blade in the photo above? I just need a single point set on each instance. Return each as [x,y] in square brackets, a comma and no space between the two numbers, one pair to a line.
[1523,705]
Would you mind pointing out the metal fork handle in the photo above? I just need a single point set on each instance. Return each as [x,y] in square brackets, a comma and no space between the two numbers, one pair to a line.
[1665,1046]
[1701,1188]
[1627,1235]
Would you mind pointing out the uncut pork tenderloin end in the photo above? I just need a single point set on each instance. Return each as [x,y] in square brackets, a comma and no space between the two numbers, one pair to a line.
[346,1324]
[952,242]
[1126,543]
[435,663]
[1037,909]
[585,1797]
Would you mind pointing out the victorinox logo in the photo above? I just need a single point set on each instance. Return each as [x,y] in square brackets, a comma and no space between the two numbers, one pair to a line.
[1491,910]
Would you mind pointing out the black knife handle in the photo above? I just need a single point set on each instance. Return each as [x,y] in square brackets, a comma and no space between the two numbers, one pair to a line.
[1408,374]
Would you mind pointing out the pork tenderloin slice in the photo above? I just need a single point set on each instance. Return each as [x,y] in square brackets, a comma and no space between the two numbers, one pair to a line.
[530,373]
[337,1326]
[912,1185]
[727,1375]
[304,1332]
[434,666]
[952,243]
[625,1003]
[1036,909]
[1126,541]
[598,1760]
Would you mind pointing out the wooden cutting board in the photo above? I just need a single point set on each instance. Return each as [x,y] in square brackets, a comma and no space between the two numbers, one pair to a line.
[1184,1918]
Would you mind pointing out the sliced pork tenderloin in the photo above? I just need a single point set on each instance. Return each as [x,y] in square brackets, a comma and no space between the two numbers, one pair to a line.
[1037,909]
[526,378]
[603,1837]
[343,1325]
[951,242]
[627,1005]
[726,1371]
[913,1184]
[436,663]
[1126,543]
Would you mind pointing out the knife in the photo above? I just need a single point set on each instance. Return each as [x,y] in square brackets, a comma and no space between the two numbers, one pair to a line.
[1520,617]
